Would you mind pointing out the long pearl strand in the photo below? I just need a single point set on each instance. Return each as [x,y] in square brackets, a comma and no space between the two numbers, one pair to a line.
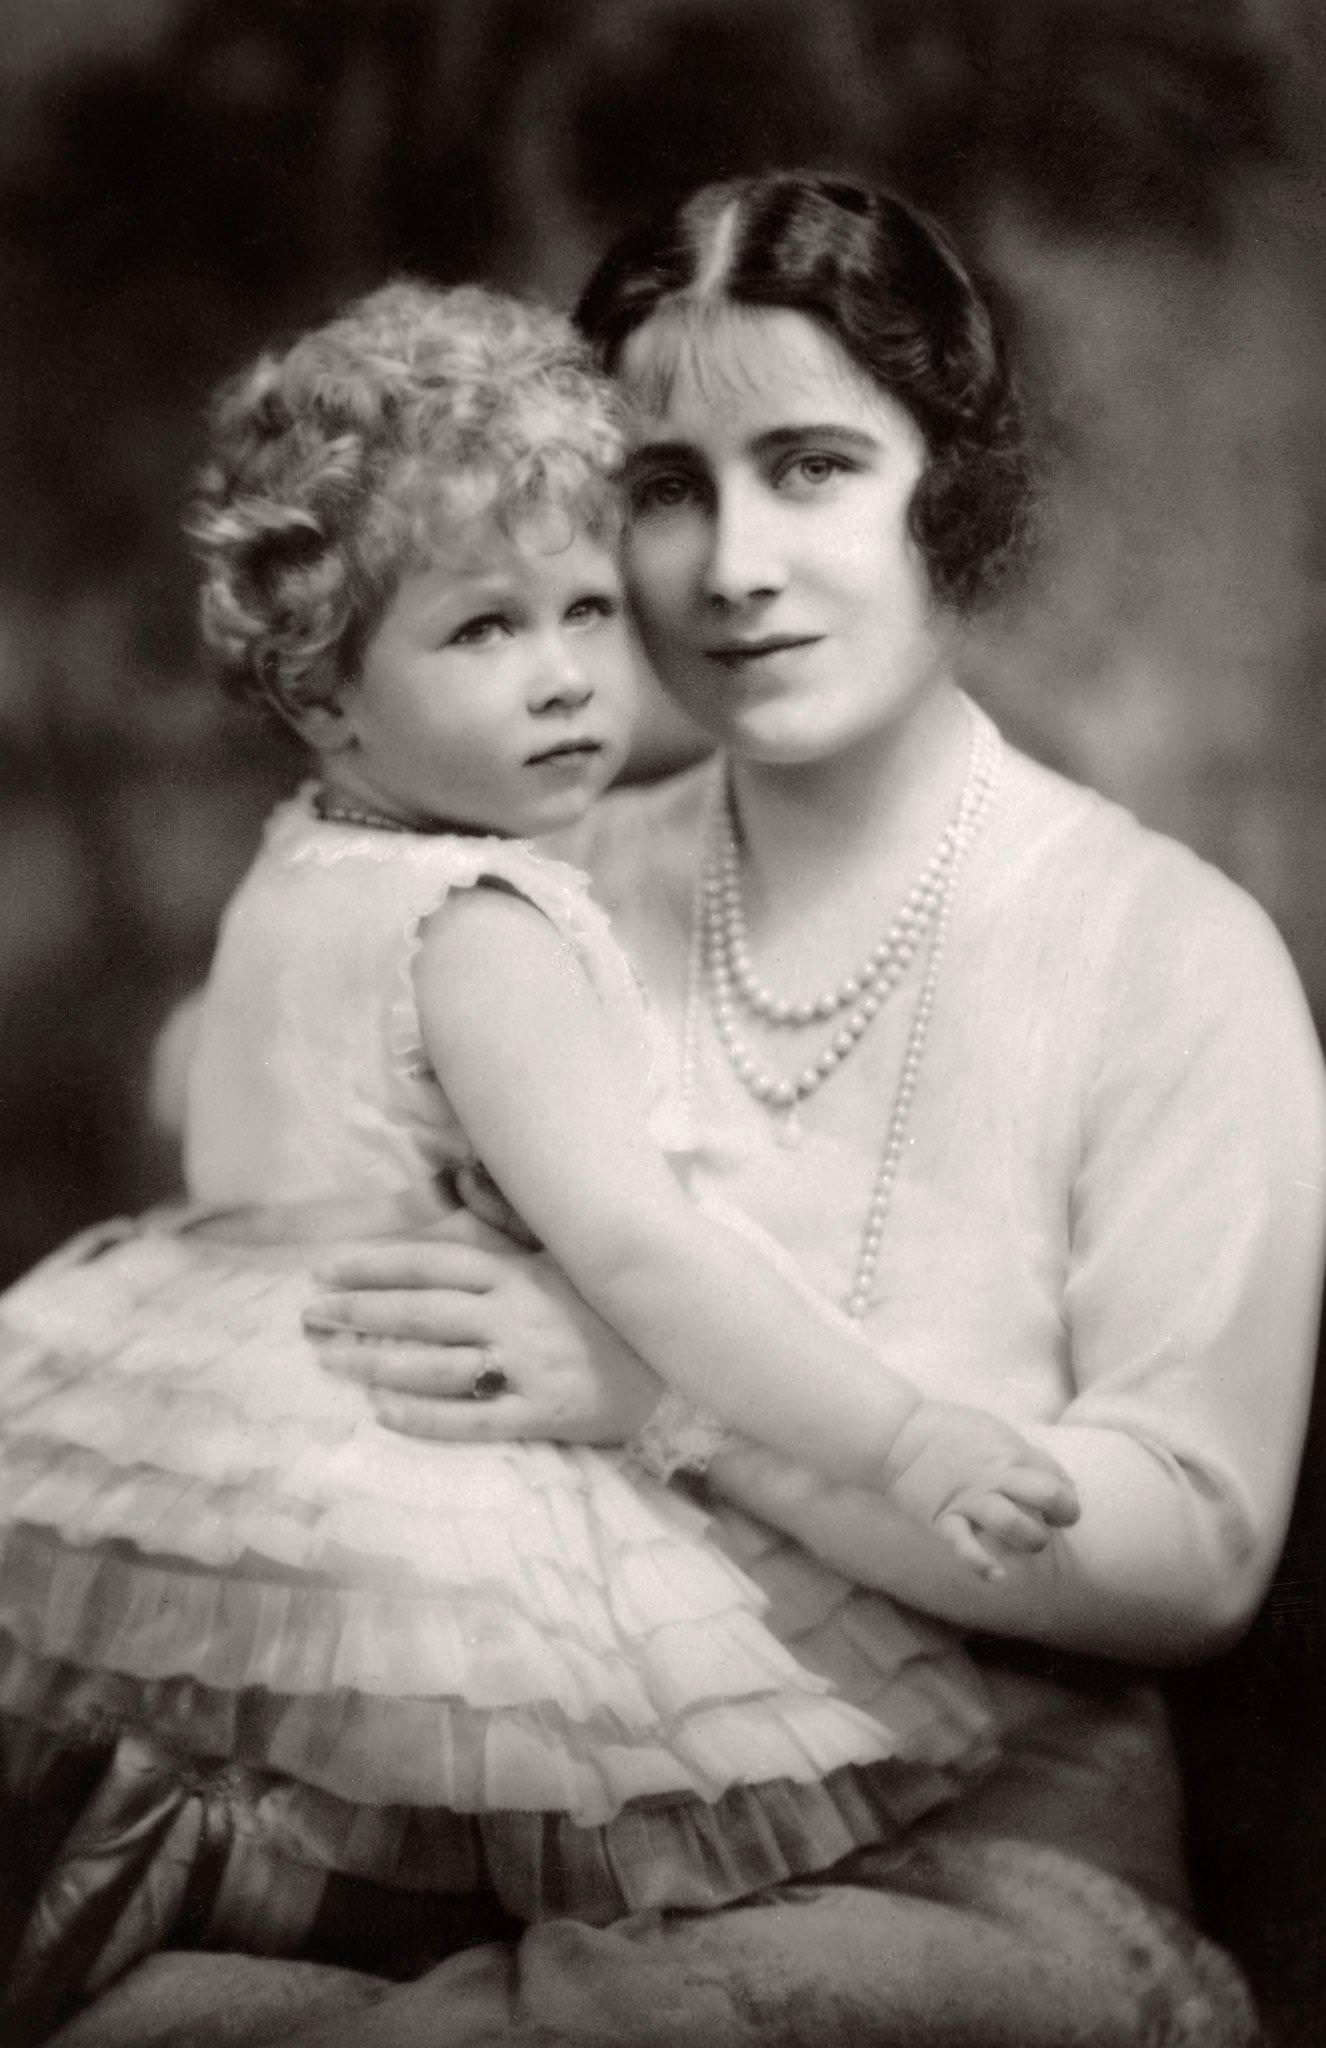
[927,912]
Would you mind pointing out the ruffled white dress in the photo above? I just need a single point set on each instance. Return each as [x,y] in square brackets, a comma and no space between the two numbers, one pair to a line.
[335,1651]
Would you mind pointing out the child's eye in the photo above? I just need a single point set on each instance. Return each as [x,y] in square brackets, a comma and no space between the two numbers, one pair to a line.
[664,492]
[480,631]
[598,604]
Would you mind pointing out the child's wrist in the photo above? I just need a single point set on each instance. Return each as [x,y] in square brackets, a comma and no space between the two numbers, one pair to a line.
[891,1452]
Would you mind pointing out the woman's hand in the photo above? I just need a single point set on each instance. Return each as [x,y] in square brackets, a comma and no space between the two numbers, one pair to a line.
[415,1321]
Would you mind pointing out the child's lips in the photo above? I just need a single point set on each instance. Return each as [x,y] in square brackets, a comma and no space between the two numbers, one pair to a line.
[566,753]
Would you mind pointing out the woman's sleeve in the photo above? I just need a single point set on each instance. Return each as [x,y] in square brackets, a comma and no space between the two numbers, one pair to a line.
[1196,1225]
[1194,1287]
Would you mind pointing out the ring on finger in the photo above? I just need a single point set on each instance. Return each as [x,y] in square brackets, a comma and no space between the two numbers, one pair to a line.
[488,1382]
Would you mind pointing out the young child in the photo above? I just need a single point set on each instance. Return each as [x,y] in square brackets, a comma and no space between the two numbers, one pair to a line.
[340,1673]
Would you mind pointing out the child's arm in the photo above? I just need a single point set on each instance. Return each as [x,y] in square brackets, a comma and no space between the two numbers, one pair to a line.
[519,1040]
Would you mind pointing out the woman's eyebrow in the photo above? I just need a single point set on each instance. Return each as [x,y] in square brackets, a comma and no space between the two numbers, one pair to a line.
[778,438]
[772,442]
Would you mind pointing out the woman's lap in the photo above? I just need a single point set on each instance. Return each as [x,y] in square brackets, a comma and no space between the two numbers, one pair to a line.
[1087,1768]
[983,1945]
[188,1999]
[989,1926]
[947,1944]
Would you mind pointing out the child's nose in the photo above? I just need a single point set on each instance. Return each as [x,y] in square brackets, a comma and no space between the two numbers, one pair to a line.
[560,681]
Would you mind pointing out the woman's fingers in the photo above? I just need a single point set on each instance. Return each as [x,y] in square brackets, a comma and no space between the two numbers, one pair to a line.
[425,1262]
[437,1372]
[408,1311]
[448,1316]
[314,1221]
[504,1420]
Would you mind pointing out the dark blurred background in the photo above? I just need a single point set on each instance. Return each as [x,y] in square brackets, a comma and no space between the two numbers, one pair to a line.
[183,180]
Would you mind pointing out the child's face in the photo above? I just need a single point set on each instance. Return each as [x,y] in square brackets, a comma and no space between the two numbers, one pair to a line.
[497,690]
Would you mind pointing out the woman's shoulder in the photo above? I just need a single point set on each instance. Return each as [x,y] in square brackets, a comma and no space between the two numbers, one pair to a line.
[633,811]
[1139,903]
[1096,845]
[643,834]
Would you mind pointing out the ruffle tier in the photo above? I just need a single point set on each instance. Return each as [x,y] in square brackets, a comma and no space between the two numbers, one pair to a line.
[160,1840]
[429,1666]
[203,1526]
[318,1701]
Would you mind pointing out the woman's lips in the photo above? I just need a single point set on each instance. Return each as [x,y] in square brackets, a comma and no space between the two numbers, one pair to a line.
[737,654]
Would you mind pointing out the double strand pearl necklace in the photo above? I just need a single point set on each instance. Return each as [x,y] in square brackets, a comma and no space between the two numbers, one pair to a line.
[720,960]
[865,990]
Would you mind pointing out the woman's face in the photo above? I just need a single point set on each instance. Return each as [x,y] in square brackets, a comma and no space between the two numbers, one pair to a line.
[778,592]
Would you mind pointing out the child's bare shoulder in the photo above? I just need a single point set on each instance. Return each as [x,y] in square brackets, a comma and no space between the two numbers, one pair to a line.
[491,934]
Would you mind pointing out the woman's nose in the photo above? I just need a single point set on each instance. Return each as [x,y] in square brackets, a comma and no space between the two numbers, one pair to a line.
[743,563]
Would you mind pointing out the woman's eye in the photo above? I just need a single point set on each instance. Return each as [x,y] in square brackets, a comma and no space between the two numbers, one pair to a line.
[481,631]
[812,469]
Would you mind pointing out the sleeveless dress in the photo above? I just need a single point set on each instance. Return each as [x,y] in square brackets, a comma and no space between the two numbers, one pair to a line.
[305,1649]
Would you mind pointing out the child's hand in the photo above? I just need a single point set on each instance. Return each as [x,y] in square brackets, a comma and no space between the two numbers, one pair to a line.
[978,1484]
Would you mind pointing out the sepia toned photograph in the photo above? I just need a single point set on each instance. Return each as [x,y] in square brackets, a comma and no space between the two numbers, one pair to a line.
[662,983]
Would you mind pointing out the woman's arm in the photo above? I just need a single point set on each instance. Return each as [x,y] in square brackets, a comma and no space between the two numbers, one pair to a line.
[1197,1220]
[519,1040]
[1144,1576]
[1135,1579]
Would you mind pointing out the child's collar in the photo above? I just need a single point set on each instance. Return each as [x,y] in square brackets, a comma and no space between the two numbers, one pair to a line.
[333,812]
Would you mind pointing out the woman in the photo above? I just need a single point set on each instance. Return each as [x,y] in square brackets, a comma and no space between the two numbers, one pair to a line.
[1052,1132]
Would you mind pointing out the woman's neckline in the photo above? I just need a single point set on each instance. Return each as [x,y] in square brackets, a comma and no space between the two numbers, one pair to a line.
[806,844]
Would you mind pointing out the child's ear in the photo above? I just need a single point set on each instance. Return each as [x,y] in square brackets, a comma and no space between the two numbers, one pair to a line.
[327,728]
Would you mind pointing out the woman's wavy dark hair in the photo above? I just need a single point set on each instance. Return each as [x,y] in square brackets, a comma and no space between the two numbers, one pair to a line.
[884,281]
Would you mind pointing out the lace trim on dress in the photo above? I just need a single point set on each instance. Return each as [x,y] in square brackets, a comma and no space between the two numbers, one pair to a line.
[431,865]
[679,1437]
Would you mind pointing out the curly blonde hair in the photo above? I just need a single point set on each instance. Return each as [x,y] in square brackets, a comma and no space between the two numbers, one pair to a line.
[342,464]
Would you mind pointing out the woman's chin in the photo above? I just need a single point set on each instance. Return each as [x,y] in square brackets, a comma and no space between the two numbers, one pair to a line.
[784,738]
[791,734]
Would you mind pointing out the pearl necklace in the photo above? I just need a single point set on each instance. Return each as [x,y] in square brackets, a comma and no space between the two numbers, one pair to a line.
[880,972]
[929,904]
[726,956]
[732,982]
[333,812]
